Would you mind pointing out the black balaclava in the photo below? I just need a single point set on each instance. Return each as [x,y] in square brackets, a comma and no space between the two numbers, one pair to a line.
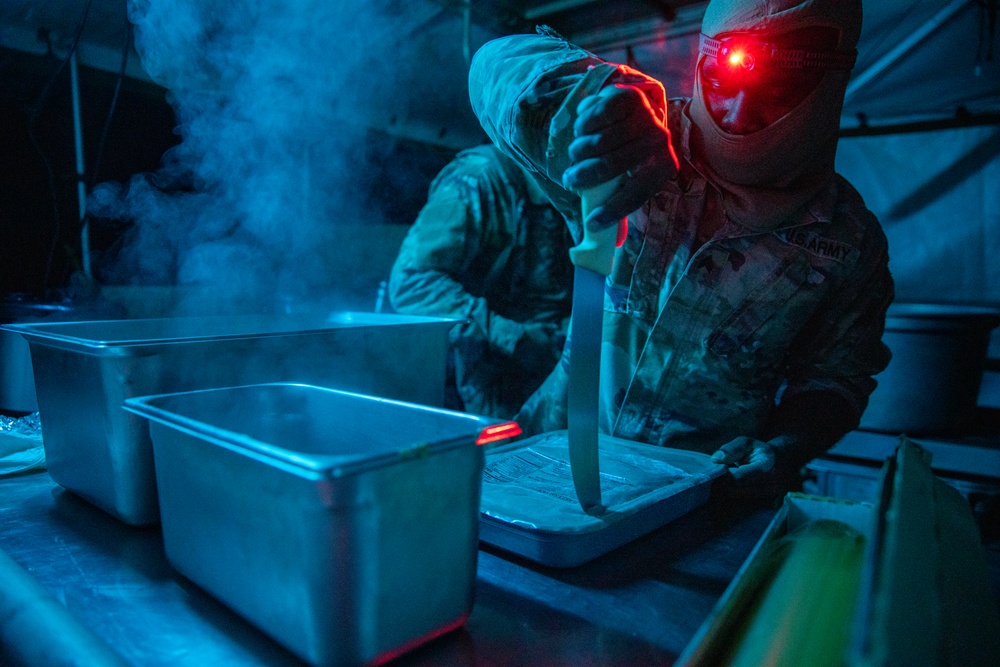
[768,175]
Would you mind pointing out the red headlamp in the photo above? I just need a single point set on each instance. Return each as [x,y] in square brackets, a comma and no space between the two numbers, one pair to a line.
[748,54]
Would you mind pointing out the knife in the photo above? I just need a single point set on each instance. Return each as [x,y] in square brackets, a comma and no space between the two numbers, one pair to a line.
[593,259]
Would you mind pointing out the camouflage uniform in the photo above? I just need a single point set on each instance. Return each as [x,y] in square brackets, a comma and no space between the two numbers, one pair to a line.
[486,250]
[701,336]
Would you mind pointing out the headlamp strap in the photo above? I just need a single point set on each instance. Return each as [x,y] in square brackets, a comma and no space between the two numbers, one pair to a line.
[769,55]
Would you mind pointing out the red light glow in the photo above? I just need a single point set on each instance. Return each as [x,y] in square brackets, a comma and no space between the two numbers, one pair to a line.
[736,58]
[622,232]
[392,654]
[498,432]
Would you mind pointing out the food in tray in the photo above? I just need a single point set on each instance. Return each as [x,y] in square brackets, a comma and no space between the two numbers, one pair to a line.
[545,470]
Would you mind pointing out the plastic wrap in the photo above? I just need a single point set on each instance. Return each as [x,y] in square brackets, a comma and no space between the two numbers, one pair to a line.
[21,444]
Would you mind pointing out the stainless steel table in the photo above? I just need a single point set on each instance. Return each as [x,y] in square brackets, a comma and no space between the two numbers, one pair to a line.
[639,605]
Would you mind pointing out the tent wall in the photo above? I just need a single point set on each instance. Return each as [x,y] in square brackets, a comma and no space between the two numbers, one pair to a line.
[938,198]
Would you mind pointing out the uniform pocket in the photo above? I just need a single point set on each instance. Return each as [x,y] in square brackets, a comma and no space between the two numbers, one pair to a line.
[762,326]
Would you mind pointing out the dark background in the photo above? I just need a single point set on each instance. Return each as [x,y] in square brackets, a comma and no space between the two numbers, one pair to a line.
[39,210]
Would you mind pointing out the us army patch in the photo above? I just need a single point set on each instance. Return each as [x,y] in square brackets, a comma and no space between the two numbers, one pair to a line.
[820,246]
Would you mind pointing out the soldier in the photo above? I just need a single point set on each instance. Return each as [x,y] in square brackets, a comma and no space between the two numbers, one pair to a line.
[745,311]
[489,249]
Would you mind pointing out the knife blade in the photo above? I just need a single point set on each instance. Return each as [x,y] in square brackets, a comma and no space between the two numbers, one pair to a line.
[593,259]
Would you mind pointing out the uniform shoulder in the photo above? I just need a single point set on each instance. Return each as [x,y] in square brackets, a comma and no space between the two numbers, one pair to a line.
[487,160]
[478,164]
[852,211]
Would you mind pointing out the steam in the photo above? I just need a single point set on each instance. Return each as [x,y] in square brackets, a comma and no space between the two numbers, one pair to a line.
[273,100]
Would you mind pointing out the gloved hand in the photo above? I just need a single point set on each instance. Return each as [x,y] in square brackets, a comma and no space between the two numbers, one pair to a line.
[539,347]
[747,458]
[758,469]
[618,133]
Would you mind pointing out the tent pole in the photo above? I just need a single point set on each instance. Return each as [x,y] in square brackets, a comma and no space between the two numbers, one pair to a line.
[862,78]
[81,187]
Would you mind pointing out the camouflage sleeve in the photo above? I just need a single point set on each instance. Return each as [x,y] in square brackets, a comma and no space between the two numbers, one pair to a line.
[842,348]
[447,247]
[548,408]
[525,90]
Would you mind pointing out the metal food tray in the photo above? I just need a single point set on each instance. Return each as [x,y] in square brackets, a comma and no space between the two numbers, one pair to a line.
[530,508]
[84,371]
[344,526]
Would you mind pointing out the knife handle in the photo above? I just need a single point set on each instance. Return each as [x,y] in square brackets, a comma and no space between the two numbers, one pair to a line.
[597,249]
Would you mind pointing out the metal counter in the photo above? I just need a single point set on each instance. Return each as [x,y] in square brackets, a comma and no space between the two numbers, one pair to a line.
[639,605]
